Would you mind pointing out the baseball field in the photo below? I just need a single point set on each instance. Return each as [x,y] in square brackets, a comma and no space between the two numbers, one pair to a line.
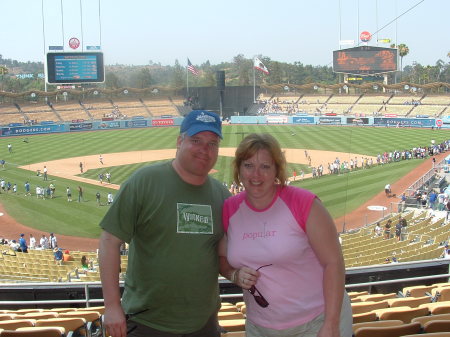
[124,151]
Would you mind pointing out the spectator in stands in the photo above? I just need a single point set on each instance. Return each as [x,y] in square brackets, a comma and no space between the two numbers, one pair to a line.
[160,234]
[432,197]
[32,242]
[66,256]
[58,256]
[377,230]
[387,229]
[44,242]
[53,241]
[297,246]
[446,252]
[404,229]
[23,244]
[15,246]
[85,263]
[398,230]
[447,208]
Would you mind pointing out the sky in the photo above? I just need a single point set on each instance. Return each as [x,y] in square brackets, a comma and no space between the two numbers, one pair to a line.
[137,32]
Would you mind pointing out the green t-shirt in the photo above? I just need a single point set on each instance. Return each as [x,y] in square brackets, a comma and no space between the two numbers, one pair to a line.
[173,229]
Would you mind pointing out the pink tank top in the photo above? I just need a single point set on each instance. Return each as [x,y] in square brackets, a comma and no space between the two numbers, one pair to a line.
[276,235]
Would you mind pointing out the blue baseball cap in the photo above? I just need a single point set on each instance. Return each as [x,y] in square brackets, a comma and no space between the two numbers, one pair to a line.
[201,120]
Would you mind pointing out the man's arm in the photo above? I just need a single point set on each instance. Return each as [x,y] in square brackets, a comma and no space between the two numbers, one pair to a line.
[109,256]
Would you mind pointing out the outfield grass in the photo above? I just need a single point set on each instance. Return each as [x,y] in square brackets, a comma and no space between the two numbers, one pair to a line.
[340,194]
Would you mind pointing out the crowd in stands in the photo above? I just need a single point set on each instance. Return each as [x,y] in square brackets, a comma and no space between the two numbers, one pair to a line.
[115,114]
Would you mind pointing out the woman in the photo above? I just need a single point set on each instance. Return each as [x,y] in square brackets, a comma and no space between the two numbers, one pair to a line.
[281,242]
[85,262]
[387,229]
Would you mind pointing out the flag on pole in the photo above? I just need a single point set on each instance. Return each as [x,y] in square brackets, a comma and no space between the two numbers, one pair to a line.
[191,68]
[260,66]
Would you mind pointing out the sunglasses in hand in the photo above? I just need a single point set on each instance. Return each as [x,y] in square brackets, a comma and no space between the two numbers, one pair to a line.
[259,298]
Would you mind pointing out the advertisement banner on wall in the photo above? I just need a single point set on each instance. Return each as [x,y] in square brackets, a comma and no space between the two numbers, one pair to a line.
[357,121]
[277,119]
[80,126]
[330,120]
[162,122]
[32,130]
[136,124]
[302,120]
[109,125]
[404,122]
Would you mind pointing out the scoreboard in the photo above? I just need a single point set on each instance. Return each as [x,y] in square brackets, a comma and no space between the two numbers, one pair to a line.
[365,60]
[81,67]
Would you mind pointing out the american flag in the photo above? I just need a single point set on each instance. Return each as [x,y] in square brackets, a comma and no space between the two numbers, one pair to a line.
[192,69]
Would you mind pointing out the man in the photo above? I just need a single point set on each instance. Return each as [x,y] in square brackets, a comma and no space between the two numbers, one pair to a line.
[45,244]
[97,198]
[110,198]
[32,242]
[45,173]
[52,240]
[23,243]
[170,214]
[387,190]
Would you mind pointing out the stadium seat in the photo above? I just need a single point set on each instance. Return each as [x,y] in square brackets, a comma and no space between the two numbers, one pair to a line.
[4,317]
[77,325]
[437,326]
[405,314]
[424,319]
[437,308]
[397,322]
[364,317]
[412,302]
[34,332]
[37,315]
[234,334]
[230,315]
[16,323]
[433,334]
[417,291]
[388,331]
[233,324]
[361,307]
[377,297]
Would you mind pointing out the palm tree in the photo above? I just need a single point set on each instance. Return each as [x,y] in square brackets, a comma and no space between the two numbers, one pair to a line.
[403,50]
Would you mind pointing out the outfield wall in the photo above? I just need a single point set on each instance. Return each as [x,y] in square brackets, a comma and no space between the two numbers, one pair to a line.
[76,126]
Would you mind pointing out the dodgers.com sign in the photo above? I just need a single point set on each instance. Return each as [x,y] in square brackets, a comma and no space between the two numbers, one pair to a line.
[162,122]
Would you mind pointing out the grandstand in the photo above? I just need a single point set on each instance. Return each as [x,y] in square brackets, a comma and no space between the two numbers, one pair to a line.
[365,104]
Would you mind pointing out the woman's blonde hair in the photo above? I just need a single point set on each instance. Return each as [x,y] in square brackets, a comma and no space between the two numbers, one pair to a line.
[252,144]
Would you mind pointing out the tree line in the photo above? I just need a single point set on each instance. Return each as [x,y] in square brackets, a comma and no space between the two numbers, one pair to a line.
[238,72]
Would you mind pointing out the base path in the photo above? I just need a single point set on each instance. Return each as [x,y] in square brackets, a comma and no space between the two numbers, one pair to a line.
[69,169]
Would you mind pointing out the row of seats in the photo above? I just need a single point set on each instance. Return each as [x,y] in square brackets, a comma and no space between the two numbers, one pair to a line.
[424,239]
[366,104]
[90,109]
[81,322]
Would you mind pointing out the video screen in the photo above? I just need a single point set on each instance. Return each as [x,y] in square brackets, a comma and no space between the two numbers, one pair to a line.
[66,68]
[365,60]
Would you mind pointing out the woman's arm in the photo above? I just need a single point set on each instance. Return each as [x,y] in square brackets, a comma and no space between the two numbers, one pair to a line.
[322,235]
[243,277]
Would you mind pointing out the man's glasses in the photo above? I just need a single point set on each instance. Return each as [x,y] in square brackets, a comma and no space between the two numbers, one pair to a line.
[259,298]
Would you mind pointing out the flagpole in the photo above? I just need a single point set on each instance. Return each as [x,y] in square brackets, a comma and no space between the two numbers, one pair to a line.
[254,83]
[187,83]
